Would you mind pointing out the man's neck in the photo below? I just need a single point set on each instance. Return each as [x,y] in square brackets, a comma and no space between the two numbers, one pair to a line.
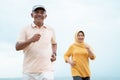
[39,24]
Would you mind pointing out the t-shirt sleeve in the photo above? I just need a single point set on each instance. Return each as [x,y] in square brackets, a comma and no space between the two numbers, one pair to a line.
[21,36]
[53,40]
[68,53]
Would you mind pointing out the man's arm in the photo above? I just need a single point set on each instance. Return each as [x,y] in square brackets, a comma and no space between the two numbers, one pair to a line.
[54,49]
[22,45]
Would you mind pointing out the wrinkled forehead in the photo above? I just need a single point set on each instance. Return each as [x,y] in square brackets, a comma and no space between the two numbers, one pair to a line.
[40,8]
[41,11]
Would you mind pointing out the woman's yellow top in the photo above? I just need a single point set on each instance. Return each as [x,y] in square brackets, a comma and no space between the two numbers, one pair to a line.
[79,54]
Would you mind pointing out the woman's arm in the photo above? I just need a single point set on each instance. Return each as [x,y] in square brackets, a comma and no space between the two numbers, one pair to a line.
[91,53]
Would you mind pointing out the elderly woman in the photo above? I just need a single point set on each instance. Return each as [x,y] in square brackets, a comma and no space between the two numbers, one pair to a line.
[78,56]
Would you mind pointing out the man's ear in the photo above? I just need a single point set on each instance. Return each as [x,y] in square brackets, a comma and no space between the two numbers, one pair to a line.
[45,15]
[32,15]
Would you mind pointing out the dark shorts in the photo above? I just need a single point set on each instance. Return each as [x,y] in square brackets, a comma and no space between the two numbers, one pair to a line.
[80,78]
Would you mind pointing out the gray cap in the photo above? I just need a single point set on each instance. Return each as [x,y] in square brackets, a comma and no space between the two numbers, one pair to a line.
[38,7]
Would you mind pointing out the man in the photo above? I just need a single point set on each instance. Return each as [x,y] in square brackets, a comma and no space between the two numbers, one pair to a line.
[39,46]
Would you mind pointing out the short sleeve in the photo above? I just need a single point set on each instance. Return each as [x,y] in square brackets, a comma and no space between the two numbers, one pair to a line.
[53,40]
[21,36]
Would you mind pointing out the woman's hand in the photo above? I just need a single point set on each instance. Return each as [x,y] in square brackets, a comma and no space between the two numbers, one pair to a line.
[72,63]
[91,54]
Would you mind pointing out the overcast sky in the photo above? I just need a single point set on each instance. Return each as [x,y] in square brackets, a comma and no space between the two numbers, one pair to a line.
[100,19]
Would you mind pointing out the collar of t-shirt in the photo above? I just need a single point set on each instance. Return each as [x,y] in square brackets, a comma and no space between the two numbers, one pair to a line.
[35,26]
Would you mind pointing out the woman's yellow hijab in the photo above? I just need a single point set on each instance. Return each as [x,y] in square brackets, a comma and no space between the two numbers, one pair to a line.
[81,44]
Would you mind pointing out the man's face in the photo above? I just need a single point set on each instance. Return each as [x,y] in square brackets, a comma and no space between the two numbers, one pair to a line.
[39,15]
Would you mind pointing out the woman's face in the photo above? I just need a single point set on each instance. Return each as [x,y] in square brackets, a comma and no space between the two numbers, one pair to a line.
[80,37]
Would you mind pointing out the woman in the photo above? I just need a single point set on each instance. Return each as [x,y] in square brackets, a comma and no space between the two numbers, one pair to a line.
[78,56]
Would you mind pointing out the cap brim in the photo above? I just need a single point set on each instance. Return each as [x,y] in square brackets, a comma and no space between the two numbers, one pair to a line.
[39,8]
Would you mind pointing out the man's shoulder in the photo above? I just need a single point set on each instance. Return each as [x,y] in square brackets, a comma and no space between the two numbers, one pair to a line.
[49,27]
[27,26]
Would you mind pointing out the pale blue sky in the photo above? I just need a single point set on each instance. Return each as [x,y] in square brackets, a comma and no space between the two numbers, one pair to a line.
[99,19]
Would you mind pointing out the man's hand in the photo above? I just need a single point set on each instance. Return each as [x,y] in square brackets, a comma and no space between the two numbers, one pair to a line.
[53,57]
[35,37]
